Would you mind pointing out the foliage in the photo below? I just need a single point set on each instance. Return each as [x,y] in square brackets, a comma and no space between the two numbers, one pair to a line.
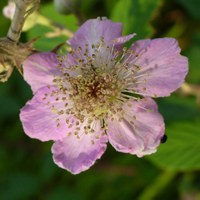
[136,15]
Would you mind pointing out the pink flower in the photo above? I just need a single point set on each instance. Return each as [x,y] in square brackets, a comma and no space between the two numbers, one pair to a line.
[101,92]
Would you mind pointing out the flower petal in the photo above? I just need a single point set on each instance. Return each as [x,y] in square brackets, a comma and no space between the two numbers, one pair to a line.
[43,117]
[93,30]
[39,70]
[140,130]
[160,67]
[78,153]
[124,39]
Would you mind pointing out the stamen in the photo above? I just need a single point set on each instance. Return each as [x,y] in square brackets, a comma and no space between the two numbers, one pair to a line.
[93,86]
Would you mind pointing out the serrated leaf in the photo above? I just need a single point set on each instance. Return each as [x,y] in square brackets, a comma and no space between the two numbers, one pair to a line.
[136,16]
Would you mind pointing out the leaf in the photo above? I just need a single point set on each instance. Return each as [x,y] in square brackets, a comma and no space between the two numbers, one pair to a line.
[181,151]
[178,109]
[45,43]
[50,27]
[68,21]
[136,16]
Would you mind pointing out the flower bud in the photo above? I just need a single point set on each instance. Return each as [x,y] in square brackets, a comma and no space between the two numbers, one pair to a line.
[8,11]
[66,6]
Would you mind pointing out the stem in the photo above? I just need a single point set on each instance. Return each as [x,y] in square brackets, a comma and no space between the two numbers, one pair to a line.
[13,53]
[21,12]
[158,185]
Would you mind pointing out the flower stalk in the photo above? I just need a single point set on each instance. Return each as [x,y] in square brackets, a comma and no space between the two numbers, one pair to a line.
[13,53]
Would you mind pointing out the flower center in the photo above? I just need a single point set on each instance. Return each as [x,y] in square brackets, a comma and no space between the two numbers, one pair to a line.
[94,93]
[92,87]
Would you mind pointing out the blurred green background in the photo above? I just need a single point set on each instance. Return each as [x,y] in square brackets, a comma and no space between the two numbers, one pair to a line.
[26,167]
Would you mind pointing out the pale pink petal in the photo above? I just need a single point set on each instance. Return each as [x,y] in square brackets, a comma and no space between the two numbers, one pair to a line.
[139,131]
[39,70]
[43,118]
[123,39]
[93,30]
[77,153]
[160,67]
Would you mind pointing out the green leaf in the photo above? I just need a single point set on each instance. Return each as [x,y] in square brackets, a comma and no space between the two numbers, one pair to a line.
[157,186]
[136,16]
[181,151]
[178,109]
[47,28]
[68,21]
[45,43]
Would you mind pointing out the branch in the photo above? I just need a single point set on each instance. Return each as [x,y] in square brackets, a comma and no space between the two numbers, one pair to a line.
[20,15]
[13,53]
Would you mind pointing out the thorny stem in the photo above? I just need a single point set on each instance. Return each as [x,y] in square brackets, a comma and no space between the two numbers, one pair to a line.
[20,15]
